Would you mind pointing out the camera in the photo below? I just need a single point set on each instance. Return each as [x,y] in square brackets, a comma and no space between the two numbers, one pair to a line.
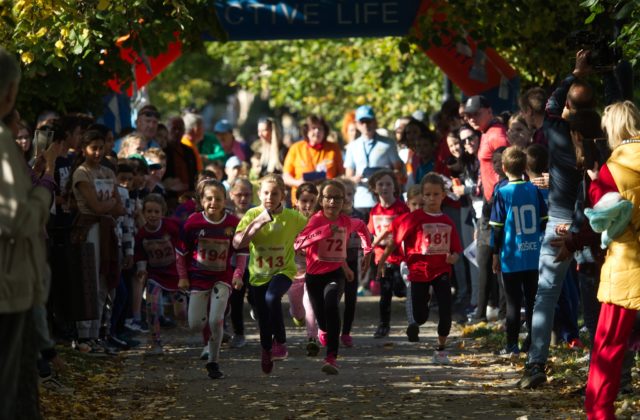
[601,54]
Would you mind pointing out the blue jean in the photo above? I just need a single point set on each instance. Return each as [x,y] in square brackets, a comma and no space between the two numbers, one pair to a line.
[551,277]
[268,301]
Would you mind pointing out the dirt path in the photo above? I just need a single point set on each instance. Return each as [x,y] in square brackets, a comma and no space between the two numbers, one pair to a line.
[388,378]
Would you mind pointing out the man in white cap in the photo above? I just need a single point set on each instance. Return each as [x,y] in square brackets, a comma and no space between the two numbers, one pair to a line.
[366,154]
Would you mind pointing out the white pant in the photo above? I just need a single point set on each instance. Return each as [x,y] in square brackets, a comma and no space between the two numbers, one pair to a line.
[217,297]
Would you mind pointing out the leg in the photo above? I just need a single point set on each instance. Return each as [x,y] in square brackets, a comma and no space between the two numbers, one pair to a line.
[295,293]
[315,289]
[154,309]
[331,292]
[589,280]
[442,290]
[612,336]
[350,298]
[264,317]
[386,292]
[198,302]
[420,301]
[12,330]
[483,255]
[513,285]
[309,314]
[530,288]
[217,305]
[551,276]
[277,287]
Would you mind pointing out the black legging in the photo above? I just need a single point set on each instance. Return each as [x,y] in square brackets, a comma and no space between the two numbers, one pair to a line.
[515,285]
[268,302]
[324,293]
[390,283]
[236,301]
[420,298]
[350,297]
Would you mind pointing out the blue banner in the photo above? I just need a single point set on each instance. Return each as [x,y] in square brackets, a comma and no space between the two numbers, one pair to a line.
[312,19]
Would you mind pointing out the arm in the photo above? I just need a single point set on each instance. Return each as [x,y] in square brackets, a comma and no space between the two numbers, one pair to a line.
[558,98]
[89,194]
[243,238]
[383,259]
[238,273]
[290,181]
[183,276]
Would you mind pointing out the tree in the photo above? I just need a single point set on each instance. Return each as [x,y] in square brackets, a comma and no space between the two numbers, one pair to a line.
[68,47]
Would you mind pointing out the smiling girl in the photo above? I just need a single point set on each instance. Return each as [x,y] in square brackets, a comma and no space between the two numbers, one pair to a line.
[270,230]
[204,265]
[325,241]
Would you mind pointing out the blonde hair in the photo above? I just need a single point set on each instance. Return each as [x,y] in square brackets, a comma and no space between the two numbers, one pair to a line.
[414,191]
[127,142]
[274,179]
[621,121]
[270,152]
[155,152]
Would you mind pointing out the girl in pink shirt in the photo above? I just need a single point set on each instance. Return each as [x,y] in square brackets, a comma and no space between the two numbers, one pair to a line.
[325,241]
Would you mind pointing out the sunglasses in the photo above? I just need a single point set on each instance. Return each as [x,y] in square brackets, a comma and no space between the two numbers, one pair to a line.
[469,139]
[151,114]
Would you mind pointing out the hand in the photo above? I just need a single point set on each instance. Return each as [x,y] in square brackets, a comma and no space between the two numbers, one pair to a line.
[452,258]
[593,172]
[542,181]
[458,190]
[364,265]
[127,262]
[496,264]
[561,244]
[582,67]
[264,218]
[381,271]
[348,273]
[237,283]
[183,284]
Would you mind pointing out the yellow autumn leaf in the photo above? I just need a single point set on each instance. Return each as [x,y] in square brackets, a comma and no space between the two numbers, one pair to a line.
[103,4]
[27,57]
[59,44]
[41,32]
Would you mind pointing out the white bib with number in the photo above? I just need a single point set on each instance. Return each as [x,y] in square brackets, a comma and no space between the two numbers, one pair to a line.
[436,238]
[212,253]
[334,249]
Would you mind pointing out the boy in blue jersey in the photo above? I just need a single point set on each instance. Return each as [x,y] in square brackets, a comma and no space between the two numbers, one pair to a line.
[518,218]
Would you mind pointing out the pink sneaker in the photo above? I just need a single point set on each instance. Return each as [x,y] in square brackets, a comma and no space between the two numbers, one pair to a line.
[322,338]
[346,339]
[278,351]
[330,366]
[266,363]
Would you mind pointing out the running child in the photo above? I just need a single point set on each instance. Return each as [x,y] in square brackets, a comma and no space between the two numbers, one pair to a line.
[300,307]
[431,247]
[414,202]
[155,259]
[204,265]
[354,257]
[240,194]
[518,218]
[270,230]
[384,186]
[325,241]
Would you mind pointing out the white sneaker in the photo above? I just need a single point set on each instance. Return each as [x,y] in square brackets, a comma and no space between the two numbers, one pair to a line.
[492,313]
[205,353]
[54,385]
[441,357]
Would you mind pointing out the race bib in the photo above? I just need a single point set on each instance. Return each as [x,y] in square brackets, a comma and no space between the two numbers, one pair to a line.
[213,253]
[381,225]
[436,238]
[269,259]
[160,252]
[334,249]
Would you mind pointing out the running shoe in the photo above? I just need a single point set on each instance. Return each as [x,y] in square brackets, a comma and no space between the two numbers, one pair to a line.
[330,366]
[266,363]
[533,376]
[441,357]
[137,326]
[346,339]
[412,333]
[238,341]
[322,338]
[213,371]
[312,347]
[116,342]
[382,331]
[278,351]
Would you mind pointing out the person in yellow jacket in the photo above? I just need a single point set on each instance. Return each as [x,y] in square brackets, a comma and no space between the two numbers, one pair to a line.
[616,190]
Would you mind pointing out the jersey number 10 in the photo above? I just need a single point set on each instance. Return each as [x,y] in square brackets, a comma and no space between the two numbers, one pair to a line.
[525,223]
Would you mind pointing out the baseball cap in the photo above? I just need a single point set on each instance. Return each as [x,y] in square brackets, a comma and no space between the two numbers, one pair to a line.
[232,162]
[149,111]
[475,103]
[365,112]
[223,126]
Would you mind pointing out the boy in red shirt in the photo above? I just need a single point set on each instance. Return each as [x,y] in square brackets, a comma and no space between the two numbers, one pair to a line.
[431,247]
